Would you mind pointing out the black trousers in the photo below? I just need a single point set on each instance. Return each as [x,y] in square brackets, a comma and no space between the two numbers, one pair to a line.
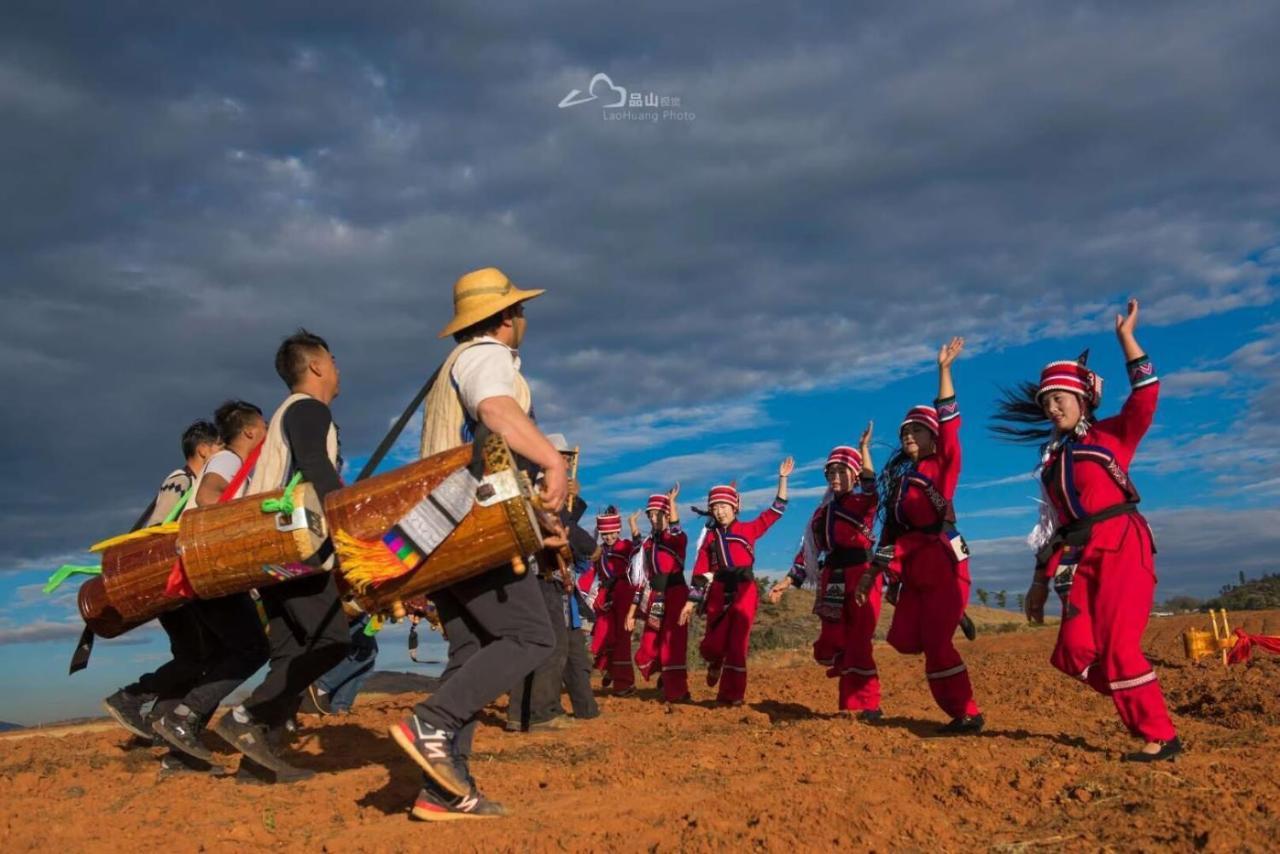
[237,648]
[536,697]
[498,631]
[307,635]
[577,675]
[189,647]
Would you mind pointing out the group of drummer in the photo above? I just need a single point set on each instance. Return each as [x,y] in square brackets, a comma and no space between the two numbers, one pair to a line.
[505,626]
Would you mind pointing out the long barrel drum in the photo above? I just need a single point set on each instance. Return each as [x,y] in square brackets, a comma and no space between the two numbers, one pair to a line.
[236,546]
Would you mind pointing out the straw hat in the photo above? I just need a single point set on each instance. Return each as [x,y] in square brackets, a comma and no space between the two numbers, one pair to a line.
[483,293]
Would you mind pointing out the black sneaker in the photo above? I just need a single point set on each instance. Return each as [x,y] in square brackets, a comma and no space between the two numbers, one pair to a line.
[433,750]
[967,628]
[315,702]
[126,710]
[1168,750]
[432,804]
[713,674]
[967,725]
[606,681]
[252,773]
[182,731]
[870,716]
[250,739]
[175,764]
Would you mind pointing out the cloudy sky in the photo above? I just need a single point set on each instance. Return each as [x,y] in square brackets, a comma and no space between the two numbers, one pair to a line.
[757,271]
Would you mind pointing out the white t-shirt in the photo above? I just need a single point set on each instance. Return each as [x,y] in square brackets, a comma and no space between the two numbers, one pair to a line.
[484,371]
[225,464]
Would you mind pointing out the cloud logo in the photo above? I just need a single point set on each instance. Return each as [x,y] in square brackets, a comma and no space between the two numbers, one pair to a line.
[576,97]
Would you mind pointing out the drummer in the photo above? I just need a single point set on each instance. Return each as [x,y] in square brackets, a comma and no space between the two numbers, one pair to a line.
[306,629]
[235,646]
[496,622]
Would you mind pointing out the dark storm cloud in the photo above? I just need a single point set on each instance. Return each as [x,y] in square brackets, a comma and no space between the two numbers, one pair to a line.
[184,187]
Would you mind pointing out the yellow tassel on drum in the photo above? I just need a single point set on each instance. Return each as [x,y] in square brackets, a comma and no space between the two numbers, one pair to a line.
[166,528]
[364,563]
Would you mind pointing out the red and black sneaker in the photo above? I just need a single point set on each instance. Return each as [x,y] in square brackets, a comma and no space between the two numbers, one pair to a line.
[432,804]
[433,750]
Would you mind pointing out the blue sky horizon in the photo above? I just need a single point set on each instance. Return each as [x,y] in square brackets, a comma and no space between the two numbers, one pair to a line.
[756,273]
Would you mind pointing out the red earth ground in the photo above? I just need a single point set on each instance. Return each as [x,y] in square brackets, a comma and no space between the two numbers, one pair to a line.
[782,773]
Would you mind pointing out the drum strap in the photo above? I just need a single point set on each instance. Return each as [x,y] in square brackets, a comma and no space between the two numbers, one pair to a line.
[242,475]
[396,429]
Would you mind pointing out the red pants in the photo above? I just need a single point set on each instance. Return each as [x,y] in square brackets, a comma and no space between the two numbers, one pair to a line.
[1100,640]
[610,640]
[935,591]
[729,636]
[664,648]
[845,647]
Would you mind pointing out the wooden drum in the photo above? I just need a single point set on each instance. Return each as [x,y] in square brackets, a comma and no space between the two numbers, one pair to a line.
[100,615]
[503,533]
[134,576]
[236,547]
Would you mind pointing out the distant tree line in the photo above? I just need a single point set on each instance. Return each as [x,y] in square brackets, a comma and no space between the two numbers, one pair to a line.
[1254,594]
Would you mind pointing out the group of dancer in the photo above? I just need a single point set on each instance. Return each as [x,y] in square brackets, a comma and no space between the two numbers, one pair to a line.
[502,625]
[1093,547]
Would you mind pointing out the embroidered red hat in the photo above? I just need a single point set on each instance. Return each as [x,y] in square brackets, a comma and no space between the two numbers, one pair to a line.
[843,455]
[922,414]
[609,523]
[659,502]
[723,495]
[1073,376]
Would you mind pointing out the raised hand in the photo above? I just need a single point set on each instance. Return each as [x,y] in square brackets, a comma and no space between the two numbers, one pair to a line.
[1126,323]
[864,441]
[948,352]
[674,493]
[787,467]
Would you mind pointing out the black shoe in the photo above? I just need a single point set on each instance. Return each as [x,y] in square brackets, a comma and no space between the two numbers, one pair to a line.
[250,739]
[606,681]
[182,731]
[432,804]
[1168,750]
[252,773]
[126,710]
[433,750]
[870,716]
[175,764]
[967,628]
[315,702]
[967,725]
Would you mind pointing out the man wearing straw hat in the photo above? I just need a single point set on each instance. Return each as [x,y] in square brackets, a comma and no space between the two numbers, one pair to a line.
[497,622]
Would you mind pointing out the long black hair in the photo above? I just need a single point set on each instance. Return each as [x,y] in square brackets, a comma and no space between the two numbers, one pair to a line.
[1019,418]
[887,481]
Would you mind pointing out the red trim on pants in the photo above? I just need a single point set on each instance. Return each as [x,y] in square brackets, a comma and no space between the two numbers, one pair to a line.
[664,649]
[935,591]
[1100,639]
[728,637]
[846,647]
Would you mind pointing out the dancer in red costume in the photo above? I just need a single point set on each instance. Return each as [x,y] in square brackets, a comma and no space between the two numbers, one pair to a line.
[1092,543]
[923,553]
[610,593]
[726,559]
[661,596]
[834,554]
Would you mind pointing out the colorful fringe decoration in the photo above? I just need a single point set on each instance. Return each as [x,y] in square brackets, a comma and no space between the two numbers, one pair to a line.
[369,562]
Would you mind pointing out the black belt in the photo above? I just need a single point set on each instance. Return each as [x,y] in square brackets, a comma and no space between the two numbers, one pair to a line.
[1077,533]
[731,578]
[842,558]
[664,581]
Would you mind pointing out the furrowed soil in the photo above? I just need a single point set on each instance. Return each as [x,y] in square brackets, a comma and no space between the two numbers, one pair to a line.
[784,772]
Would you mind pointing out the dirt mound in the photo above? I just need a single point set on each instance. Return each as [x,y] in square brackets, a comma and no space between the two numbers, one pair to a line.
[783,772]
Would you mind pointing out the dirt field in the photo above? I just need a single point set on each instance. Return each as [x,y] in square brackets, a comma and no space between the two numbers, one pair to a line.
[782,773]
